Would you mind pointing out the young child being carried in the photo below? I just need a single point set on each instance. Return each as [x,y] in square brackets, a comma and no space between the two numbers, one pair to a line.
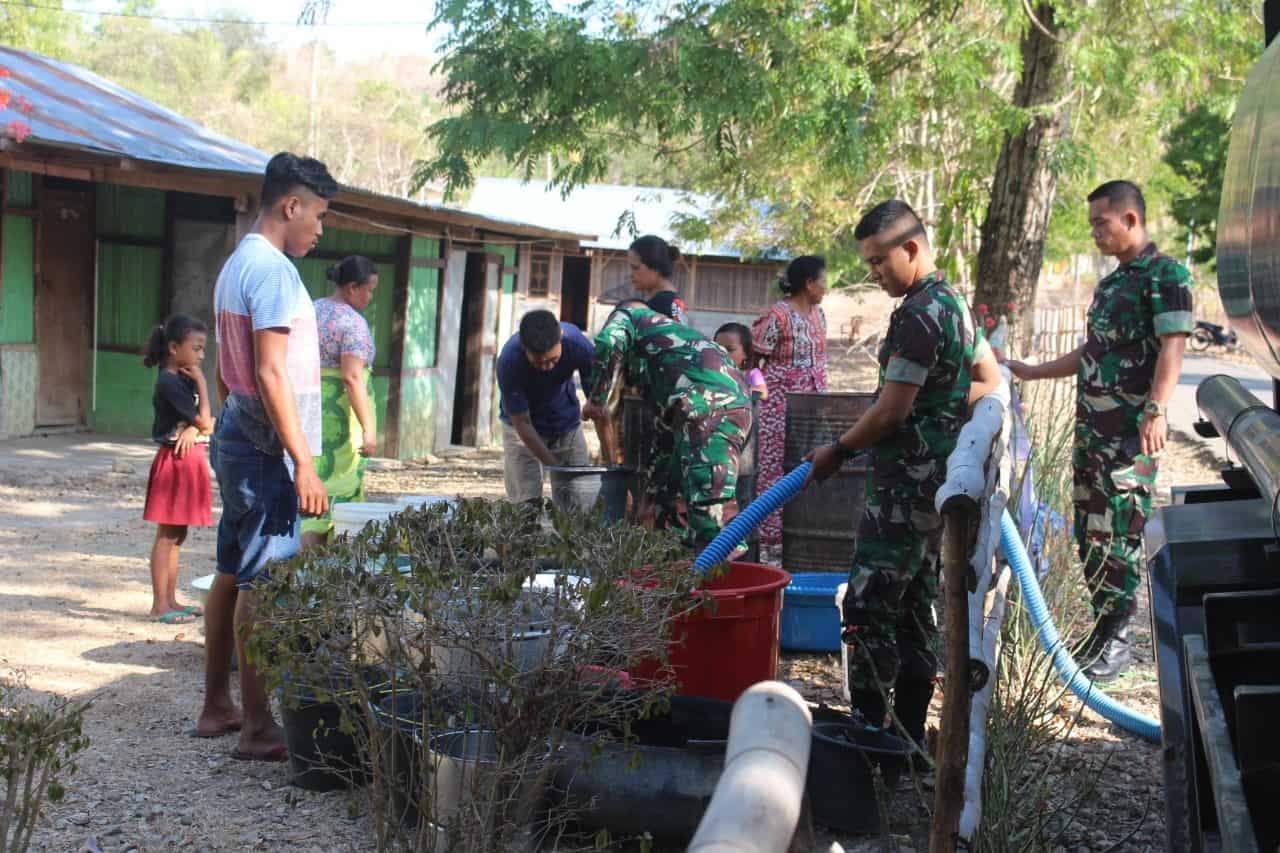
[735,339]
[178,489]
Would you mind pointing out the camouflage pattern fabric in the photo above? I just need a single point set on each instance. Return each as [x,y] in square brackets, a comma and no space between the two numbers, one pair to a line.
[1143,300]
[704,413]
[889,621]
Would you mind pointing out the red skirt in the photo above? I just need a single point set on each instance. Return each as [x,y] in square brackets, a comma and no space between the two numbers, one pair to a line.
[179,491]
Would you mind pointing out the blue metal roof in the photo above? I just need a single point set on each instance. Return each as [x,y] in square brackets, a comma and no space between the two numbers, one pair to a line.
[597,209]
[72,107]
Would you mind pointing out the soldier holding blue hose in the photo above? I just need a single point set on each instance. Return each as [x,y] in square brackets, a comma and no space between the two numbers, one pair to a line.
[933,363]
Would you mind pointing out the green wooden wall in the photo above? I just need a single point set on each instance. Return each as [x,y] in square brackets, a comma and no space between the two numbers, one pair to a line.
[130,223]
[17,278]
[421,349]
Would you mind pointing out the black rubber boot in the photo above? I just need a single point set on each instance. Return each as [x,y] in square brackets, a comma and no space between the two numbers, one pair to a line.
[870,704]
[1114,658]
[911,707]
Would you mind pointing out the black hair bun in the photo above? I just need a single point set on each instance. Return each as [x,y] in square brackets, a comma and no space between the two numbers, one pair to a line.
[334,273]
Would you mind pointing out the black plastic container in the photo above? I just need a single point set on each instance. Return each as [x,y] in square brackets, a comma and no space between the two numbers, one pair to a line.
[841,781]
[322,756]
[660,784]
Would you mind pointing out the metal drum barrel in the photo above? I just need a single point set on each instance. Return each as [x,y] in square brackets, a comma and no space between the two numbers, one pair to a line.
[820,525]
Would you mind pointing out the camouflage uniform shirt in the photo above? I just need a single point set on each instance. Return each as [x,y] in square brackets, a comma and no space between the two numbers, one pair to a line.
[704,414]
[1144,300]
[669,363]
[888,610]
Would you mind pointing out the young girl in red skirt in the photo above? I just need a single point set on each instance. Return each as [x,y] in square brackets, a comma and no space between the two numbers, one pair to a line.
[178,490]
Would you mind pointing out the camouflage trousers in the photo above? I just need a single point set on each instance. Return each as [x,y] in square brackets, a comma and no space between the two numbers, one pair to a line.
[889,622]
[693,473]
[1109,521]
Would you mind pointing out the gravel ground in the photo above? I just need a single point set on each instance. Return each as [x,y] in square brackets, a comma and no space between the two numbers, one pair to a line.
[74,591]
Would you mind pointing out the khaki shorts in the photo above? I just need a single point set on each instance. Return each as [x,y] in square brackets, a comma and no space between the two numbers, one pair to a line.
[522,472]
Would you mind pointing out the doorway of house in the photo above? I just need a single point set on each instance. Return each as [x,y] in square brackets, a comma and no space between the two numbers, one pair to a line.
[575,291]
[466,395]
[63,295]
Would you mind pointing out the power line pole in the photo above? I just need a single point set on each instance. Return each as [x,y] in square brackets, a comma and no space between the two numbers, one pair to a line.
[313,12]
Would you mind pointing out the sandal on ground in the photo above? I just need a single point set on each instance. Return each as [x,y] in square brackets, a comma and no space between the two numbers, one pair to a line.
[194,610]
[174,617]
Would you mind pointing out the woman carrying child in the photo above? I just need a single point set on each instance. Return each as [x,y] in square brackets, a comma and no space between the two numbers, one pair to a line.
[178,490]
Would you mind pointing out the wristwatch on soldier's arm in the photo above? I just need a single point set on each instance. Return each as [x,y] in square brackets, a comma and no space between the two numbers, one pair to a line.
[843,453]
[1154,409]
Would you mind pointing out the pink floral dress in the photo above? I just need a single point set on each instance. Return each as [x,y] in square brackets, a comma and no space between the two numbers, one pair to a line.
[794,346]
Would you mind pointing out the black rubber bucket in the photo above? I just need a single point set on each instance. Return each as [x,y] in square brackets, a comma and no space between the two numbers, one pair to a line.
[841,780]
[322,756]
[660,784]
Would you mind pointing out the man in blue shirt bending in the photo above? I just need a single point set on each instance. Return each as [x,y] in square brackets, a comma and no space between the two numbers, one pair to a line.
[541,416]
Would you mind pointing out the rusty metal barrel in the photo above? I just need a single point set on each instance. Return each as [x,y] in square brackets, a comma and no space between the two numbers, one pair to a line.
[820,525]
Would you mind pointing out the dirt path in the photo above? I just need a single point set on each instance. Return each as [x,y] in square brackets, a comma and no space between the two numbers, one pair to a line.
[74,590]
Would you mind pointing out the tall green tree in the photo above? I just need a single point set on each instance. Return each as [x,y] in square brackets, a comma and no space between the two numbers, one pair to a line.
[40,26]
[798,115]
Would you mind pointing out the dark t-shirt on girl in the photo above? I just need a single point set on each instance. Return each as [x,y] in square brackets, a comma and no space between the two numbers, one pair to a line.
[175,401]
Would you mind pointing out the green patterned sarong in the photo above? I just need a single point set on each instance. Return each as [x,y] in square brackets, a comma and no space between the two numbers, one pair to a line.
[339,464]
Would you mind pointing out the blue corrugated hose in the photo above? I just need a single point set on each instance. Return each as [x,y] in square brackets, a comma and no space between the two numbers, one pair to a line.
[1131,721]
[750,517]
[789,486]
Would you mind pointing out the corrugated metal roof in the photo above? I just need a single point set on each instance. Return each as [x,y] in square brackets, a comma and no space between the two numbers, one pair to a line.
[597,209]
[72,107]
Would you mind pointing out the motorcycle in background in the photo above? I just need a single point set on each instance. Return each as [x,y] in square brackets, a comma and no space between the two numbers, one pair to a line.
[1208,334]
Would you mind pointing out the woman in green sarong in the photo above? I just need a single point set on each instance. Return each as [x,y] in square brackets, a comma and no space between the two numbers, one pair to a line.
[346,392]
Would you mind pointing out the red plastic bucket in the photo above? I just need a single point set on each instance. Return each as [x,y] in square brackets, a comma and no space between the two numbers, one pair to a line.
[730,643]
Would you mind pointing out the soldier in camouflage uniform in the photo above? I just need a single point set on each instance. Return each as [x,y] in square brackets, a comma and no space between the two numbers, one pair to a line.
[704,413]
[932,360]
[1125,373]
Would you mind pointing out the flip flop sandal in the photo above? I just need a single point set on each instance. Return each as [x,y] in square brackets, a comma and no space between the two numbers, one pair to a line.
[194,610]
[174,617]
[276,754]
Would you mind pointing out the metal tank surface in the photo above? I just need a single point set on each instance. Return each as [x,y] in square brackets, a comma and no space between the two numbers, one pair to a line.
[1249,217]
[820,525]
[1215,570]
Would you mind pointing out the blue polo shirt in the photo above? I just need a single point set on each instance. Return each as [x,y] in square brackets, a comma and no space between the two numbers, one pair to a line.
[550,398]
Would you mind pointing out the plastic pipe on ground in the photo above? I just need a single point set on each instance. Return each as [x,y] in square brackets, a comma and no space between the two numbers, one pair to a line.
[1131,721]
[756,803]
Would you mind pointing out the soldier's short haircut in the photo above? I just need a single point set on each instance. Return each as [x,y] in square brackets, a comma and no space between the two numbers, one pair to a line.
[1122,194]
[539,331]
[632,303]
[885,216]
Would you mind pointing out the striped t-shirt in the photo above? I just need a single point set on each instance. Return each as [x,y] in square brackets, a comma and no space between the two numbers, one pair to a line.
[259,288]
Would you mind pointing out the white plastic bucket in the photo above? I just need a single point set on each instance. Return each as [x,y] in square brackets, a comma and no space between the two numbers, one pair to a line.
[844,647]
[202,586]
[352,517]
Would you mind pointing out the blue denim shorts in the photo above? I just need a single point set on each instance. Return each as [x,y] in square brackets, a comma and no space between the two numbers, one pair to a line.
[259,505]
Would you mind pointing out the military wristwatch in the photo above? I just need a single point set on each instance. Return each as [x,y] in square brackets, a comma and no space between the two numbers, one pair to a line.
[1154,409]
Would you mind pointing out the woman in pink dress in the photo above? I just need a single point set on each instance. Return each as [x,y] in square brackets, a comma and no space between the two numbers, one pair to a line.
[790,341]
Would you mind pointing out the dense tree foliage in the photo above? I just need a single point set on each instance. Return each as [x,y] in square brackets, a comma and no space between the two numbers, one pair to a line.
[797,115]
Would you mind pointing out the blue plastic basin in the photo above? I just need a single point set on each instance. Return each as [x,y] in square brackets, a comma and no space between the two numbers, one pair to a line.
[810,619]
